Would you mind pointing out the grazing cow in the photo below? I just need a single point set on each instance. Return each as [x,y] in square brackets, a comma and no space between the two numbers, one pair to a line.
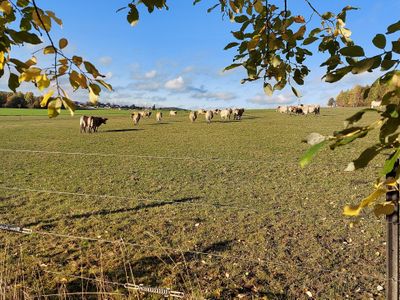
[317,109]
[283,109]
[145,113]
[85,123]
[225,114]
[193,116]
[173,112]
[201,112]
[216,111]
[311,109]
[238,113]
[96,122]
[159,116]
[136,117]
[376,104]
[209,116]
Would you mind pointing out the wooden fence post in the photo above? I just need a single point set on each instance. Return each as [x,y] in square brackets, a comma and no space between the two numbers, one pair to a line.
[392,241]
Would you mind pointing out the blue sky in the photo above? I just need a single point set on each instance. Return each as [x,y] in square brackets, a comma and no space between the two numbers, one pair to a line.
[176,57]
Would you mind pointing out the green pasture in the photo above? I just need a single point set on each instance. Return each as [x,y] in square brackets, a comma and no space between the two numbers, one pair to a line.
[217,211]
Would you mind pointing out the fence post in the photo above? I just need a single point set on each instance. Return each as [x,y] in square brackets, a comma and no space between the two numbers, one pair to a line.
[392,241]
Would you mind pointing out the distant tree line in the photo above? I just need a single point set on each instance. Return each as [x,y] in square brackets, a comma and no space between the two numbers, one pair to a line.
[29,100]
[19,100]
[361,95]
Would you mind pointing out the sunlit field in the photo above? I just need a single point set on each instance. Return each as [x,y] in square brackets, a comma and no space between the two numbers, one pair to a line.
[215,211]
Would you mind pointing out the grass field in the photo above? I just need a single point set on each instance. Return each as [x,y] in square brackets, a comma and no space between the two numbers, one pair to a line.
[219,211]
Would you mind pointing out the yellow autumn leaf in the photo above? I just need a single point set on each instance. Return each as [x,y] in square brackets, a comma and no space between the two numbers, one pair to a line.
[386,208]
[42,82]
[54,108]
[29,74]
[6,7]
[92,96]
[32,61]
[105,84]
[46,98]
[53,16]
[62,70]
[43,22]
[1,60]
[62,43]
[49,50]
[354,210]
[69,104]
[63,61]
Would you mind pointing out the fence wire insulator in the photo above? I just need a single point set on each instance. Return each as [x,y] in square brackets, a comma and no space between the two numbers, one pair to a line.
[14,228]
[154,290]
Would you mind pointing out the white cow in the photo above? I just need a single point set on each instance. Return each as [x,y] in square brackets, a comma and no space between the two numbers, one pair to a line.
[159,116]
[173,112]
[209,116]
[225,114]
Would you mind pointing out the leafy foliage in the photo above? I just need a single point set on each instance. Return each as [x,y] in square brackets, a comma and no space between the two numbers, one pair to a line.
[22,23]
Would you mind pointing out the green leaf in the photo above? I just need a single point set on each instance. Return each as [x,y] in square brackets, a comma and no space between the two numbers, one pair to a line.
[307,157]
[258,6]
[296,92]
[352,51]
[379,41]
[387,64]
[393,28]
[396,46]
[337,75]
[13,82]
[232,66]
[133,15]
[238,34]
[389,163]
[231,45]
[363,65]
[241,19]
[310,40]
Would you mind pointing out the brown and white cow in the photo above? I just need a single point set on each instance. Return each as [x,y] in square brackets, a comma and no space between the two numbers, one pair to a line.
[135,118]
[84,123]
[96,122]
[193,116]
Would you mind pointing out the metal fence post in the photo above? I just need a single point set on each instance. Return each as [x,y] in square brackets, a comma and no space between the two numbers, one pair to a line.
[392,241]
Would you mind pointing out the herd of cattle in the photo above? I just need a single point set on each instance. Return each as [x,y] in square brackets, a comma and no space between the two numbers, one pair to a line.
[299,109]
[91,124]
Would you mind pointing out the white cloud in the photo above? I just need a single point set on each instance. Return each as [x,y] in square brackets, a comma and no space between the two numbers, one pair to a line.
[105,60]
[175,84]
[150,74]
[146,85]
[261,99]
[225,96]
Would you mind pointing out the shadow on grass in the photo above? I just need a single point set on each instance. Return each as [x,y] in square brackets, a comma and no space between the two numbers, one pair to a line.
[161,123]
[104,212]
[122,130]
